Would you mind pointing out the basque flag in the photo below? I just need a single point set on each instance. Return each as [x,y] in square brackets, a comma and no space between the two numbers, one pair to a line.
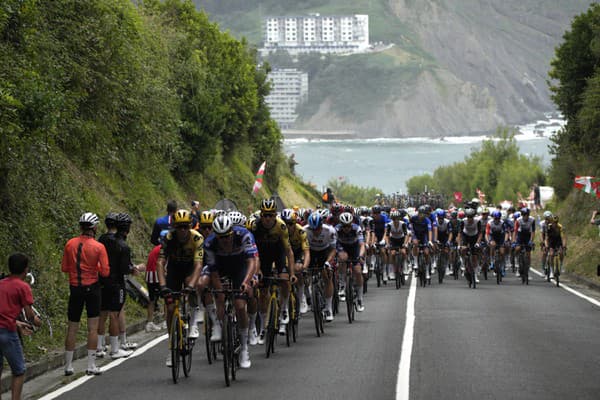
[588,184]
[259,178]
[458,197]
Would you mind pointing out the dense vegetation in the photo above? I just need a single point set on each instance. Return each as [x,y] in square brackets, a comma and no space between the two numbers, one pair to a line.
[348,193]
[497,169]
[576,92]
[120,105]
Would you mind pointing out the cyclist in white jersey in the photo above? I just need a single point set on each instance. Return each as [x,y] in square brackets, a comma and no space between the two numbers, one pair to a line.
[322,240]
[396,238]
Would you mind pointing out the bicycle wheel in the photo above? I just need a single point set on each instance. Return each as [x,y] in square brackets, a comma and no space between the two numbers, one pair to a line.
[271,327]
[378,270]
[499,268]
[522,267]
[442,266]
[234,342]
[336,294]
[187,346]
[316,308]
[421,269]
[294,313]
[527,260]
[321,299]
[175,341]
[207,330]
[226,346]
[398,270]
[556,269]
[349,297]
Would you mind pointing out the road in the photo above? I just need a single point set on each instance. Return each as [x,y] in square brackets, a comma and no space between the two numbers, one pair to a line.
[496,342]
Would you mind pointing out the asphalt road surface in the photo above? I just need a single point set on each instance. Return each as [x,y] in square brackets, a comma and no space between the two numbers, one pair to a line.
[496,342]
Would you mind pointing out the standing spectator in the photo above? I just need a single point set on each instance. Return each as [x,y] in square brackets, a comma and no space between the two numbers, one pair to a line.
[153,285]
[164,222]
[195,214]
[111,225]
[84,259]
[15,295]
[595,219]
[537,199]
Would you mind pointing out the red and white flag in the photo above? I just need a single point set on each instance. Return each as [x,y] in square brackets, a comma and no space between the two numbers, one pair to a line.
[259,178]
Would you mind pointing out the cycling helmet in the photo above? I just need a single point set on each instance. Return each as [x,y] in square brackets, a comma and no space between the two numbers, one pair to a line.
[163,236]
[524,211]
[288,215]
[182,217]
[349,209]
[236,218]
[336,208]
[268,205]
[454,214]
[427,208]
[315,220]
[376,209]
[346,218]
[547,215]
[485,210]
[469,212]
[440,213]
[461,214]
[222,225]
[516,215]
[422,210]
[364,210]
[123,221]
[555,219]
[111,219]
[511,209]
[88,220]
[402,213]
[206,217]
[387,209]
[395,214]
[479,209]
[496,214]
[219,213]
[324,213]
[250,223]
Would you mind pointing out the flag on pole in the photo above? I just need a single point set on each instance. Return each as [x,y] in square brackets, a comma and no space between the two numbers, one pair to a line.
[458,197]
[588,184]
[259,178]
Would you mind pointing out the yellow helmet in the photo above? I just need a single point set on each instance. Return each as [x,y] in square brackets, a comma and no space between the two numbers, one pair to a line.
[249,222]
[268,205]
[206,217]
[182,217]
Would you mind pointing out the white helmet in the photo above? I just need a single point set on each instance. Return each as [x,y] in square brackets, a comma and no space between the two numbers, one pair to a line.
[222,225]
[346,218]
[88,220]
[236,217]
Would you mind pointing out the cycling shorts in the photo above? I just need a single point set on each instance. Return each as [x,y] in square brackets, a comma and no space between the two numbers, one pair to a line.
[80,296]
[299,256]
[353,250]
[555,243]
[470,241]
[113,297]
[237,273]
[396,243]
[154,291]
[177,275]
[266,264]
[423,239]
[523,238]
[318,258]
[498,239]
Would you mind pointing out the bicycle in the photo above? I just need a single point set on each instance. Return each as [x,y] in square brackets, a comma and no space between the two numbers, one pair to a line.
[483,246]
[456,264]
[317,298]
[378,265]
[442,263]
[498,264]
[180,344]
[211,347]
[399,268]
[272,316]
[350,291]
[555,263]
[524,263]
[470,269]
[230,342]
[422,266]
[294,310]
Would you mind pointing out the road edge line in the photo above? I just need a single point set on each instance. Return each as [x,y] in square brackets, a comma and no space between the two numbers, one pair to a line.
[80,381]
[571,290]
[403,381]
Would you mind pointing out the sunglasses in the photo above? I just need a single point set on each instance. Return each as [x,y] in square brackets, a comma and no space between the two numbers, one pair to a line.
[267,215]
[206,227]
[182,227]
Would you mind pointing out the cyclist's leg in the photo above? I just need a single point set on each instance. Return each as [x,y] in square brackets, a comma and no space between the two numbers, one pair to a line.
[342,256]
[358,285]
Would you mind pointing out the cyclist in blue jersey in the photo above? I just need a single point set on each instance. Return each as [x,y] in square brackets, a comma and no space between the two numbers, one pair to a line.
[422,234]
[230,251]
[351,248]
[380,220]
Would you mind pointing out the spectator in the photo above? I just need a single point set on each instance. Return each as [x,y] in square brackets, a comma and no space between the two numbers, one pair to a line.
[153,286]
[195,214]
[163,223]
[111,228]
[84,259]
[595,218]
[537,199]
[15,295]
[328,197]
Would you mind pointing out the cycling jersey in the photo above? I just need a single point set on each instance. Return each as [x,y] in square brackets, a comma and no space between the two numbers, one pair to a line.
[162,223]
[470,228]
[525,230]
[420,227]
[396,231]
[298,239]
[379,225]
[119,258]
[366,223]
[554,234]
[84,259]
[443,230]
[325,239]
[272,240]
[496,231]
[182,255]
[349,240]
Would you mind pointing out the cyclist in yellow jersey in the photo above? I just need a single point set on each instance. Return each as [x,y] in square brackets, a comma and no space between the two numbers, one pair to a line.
[180,261]
[556,241]
[273,243]
[301,251]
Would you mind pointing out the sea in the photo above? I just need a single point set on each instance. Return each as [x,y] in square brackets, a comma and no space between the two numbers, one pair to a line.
[388,163]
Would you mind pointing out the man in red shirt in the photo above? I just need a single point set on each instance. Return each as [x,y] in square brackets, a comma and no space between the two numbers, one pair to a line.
[84,259]
[15,295]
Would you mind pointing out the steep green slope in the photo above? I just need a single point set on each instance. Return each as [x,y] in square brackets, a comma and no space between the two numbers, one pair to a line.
[464,66]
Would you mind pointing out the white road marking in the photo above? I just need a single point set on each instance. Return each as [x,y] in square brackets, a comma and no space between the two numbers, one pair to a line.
[85,378]
[402,384]
[568,289]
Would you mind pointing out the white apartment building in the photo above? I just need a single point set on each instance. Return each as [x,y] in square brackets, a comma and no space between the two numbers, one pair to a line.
[316,33]
[289,88]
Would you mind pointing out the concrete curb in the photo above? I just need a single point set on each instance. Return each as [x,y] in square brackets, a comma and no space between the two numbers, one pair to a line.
[584,281]
[52,362]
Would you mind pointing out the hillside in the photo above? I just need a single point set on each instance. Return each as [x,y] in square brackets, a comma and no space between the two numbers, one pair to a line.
[456,67]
